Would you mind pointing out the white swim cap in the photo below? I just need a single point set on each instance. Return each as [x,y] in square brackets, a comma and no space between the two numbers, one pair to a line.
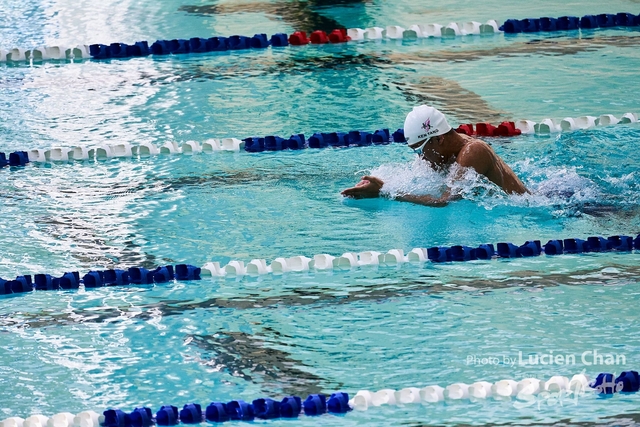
[423,122]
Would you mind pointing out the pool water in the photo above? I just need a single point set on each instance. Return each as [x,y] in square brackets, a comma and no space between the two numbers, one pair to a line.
[371,328]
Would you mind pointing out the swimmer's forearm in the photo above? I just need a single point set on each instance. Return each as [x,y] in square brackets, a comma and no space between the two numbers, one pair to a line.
[436,202]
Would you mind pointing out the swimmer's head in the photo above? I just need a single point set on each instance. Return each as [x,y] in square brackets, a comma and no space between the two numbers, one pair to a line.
[424,122]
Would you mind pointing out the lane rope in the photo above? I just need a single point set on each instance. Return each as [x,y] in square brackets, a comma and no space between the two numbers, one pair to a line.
[299,38]
[349,260]
[525,392]
[354,138]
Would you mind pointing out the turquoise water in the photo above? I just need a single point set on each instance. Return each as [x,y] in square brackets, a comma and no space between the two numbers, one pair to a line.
[369,328]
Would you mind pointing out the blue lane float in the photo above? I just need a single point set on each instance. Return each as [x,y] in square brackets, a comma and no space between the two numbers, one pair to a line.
[239,410]
[485,251]
[163,274]
[99,51]
[46,282]
[216,412]
[140,276]
[438,254]
[606,383]
[338,403]
[354,138]
[99,278]
[239,43]
[191,414]
[17,158]
[565,23]
[19,285]
[167,416]
[315,404]
[121,50]
[183,46]
[116,418]
[459,253]
[235,410]
[529,249]
[554,247]
[630,381]
[141,417]
[462,253]
[187,272]
[266,409]
[290,407]
[279,40]
[259,41]
[575,246]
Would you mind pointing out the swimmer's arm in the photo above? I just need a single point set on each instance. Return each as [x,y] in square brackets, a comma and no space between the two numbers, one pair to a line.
[436,202]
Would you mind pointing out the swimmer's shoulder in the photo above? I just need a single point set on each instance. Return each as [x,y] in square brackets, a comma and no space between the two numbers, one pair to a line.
[476,154]
[475,147]
[475,143]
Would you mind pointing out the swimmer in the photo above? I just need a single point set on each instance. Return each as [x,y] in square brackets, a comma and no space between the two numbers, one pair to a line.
[430,136]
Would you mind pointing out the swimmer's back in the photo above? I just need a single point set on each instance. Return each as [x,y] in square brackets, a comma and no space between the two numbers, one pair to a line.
[480,156]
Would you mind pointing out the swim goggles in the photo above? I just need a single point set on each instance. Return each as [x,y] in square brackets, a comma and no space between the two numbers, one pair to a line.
[418,150]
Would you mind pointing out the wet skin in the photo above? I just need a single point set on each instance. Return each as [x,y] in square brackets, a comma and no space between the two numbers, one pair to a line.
[441,152]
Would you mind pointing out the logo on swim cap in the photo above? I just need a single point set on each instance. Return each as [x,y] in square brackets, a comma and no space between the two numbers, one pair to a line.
[427,125]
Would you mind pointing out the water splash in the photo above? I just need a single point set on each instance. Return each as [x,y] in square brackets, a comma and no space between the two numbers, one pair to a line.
[561,188]
[415,177]
[418,178]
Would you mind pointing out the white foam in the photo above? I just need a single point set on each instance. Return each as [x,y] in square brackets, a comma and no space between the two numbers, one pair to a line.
[415,177]
[418,178]
[562,186]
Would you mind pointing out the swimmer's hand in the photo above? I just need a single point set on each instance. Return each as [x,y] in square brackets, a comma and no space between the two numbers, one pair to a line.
[369,187]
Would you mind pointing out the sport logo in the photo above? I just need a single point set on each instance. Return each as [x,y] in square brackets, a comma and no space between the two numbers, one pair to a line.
[428,130]
[427,125]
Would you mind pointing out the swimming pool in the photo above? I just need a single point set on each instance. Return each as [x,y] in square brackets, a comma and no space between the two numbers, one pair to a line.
[373,327]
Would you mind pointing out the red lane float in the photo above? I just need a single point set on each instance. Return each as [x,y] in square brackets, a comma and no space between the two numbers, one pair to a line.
[466,129]
[487,129]
[507,129]
[298,38]
[319,37]
[339,36]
